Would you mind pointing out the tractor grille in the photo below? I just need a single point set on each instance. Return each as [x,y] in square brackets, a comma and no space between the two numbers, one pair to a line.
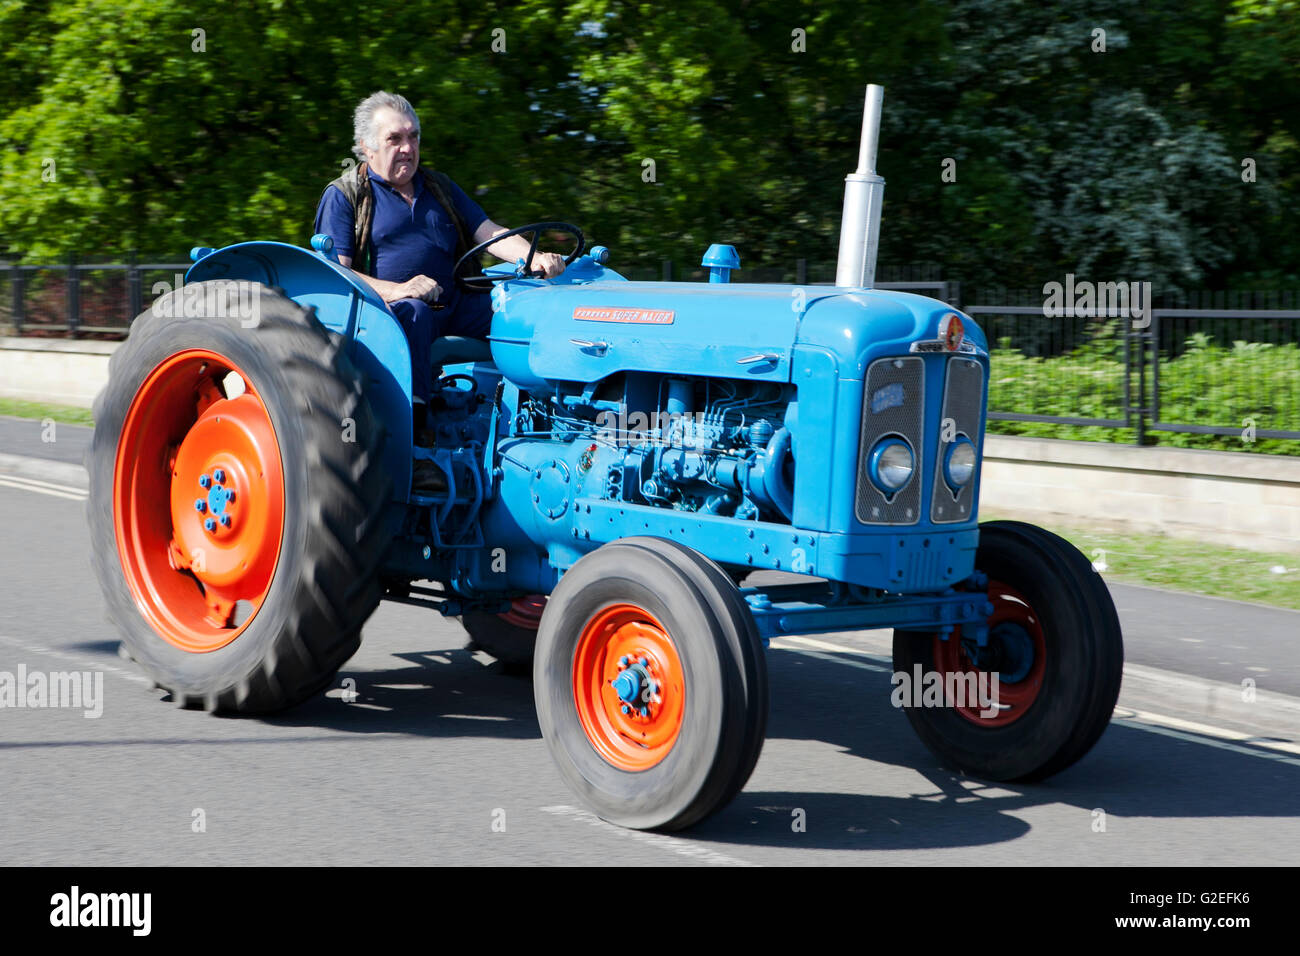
[963,396]
[892,404]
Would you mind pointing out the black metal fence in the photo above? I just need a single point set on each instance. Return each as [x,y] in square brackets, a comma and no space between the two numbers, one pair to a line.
[81,298]
[1202,371]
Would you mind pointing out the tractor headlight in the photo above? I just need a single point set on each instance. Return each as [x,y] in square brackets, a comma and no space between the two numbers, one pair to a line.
[959,463]
[891,464]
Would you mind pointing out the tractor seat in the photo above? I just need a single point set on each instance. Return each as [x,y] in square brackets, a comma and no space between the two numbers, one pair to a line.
[453,349]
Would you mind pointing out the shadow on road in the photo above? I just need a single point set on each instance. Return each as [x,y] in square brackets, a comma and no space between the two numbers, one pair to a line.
[1130,773]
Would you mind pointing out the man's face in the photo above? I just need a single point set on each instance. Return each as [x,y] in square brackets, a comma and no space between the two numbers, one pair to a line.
[398,154]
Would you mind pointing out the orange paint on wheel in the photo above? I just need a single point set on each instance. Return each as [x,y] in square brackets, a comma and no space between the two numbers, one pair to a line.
[187,578]
[628,741]
[1015,698]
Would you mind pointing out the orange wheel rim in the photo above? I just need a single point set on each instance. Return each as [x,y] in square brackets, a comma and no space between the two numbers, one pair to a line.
[1016,696]
[198,501]
[629,686]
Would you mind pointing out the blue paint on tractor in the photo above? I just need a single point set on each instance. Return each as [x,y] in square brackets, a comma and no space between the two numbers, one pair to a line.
[735,418]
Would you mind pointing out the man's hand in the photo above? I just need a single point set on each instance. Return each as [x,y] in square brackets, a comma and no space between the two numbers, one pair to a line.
[417,287]
[551,263]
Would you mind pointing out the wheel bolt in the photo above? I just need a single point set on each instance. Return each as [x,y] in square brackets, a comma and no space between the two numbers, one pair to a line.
[210,525]
[622,661]
[626,709]
[645,711]
[200,504]
[219,475]
[643,662]
[225,521]
[204,481]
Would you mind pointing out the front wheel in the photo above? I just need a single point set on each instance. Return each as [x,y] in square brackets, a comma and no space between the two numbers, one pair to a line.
[1054,649]
[651,685]
[236,498]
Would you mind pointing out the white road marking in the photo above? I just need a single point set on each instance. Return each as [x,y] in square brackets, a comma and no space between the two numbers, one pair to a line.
[43,487]
[818,644]
[1201,739]
[83,661]
[1138,719]
[672,844]
[1192,726]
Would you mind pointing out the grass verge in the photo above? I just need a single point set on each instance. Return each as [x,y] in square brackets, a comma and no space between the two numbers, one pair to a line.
[1178,564]
[67,414]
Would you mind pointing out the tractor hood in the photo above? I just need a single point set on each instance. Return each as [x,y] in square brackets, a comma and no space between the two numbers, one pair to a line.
[585,331]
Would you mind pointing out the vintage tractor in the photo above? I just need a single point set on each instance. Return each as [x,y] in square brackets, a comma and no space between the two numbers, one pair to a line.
[617,458]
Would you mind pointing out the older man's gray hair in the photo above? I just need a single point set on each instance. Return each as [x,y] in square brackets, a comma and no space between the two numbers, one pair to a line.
[363,120]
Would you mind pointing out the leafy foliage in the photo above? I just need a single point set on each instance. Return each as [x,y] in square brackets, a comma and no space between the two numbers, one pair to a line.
[123,128]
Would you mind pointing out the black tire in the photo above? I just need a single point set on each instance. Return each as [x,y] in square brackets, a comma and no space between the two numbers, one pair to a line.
[724,677]
[1083,667]
[324,584]
[710,576]
[509,643]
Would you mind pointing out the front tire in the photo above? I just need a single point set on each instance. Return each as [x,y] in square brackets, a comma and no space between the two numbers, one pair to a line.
[651,684]
[236,499]
[1056,644]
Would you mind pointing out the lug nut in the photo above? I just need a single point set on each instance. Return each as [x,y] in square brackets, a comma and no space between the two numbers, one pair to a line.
[210,525]
[225,521]
[626,709]
[200,504]
[219,475]
[645,711]
[204,481]
[644,662]
[230,495]
[622,661]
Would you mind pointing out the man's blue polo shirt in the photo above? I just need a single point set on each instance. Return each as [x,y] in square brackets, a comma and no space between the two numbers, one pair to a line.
[407,239]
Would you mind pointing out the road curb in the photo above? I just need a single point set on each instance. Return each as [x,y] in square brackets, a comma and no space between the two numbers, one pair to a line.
[43,469]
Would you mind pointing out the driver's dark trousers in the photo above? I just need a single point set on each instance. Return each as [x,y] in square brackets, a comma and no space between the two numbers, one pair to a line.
[470,317]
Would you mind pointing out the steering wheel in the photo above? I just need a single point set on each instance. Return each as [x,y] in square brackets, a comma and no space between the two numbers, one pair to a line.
[485,283]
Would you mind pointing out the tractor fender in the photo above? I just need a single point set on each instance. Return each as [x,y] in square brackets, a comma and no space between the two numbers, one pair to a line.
[343,304]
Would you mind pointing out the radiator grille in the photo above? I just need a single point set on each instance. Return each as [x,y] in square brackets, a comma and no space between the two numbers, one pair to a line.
[893,403]
[963,398]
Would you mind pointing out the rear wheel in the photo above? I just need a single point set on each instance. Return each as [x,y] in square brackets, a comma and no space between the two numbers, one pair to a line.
[650,683]
[509,637]
[1054,645]
[236,499]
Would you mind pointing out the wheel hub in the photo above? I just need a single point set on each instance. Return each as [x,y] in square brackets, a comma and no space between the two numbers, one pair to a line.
[1015,653]
[198,498]
[629,687]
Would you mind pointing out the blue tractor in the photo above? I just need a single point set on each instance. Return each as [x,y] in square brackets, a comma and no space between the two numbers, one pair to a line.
[618,457]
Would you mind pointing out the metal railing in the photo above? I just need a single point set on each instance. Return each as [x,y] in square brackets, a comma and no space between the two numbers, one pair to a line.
[82,298]
[1200,368]
[1226,372]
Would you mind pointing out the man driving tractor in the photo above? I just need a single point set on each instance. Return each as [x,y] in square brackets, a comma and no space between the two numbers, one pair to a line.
[402,227]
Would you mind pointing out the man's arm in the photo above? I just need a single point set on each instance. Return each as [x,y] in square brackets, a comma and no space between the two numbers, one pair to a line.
[418,287]
[516,247]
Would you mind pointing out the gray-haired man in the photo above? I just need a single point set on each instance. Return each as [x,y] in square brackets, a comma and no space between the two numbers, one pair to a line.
[401,227]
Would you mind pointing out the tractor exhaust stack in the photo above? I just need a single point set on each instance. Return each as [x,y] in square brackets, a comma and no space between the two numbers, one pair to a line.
[864,191]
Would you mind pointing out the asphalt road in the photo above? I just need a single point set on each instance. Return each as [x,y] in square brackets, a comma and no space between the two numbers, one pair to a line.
[440,761]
